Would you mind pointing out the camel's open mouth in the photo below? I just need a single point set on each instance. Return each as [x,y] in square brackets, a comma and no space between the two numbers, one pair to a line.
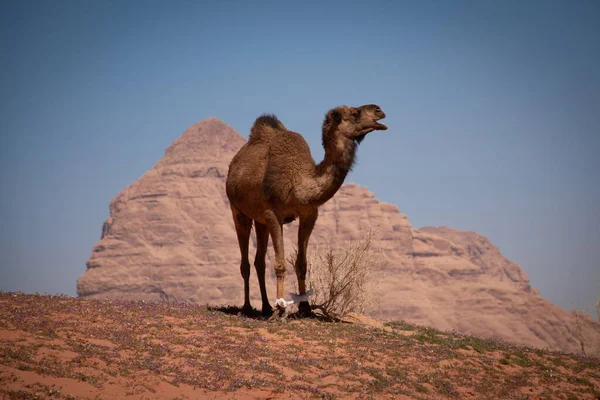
[373,126]
[379,126]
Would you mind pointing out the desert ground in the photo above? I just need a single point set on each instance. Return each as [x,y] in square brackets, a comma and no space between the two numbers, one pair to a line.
[68,348]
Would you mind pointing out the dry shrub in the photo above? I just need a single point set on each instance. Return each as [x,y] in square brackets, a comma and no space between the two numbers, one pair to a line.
[344,281]
[578,329]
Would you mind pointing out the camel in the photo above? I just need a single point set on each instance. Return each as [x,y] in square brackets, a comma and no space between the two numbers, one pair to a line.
[273,180]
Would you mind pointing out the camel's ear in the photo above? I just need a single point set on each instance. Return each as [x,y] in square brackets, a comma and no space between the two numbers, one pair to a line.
[332,120]
[330,125]
[334,117]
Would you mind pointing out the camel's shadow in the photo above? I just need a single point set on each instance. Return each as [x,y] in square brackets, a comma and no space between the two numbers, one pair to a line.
[260,316]
[237,311]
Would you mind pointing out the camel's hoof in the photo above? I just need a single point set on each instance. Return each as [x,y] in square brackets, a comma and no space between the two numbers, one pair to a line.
[267,311]
[247,310]
[304,310]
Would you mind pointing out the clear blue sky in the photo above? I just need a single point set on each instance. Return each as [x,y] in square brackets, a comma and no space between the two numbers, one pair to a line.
[493,113]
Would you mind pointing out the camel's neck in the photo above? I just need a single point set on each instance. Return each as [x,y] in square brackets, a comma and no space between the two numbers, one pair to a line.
[331,172]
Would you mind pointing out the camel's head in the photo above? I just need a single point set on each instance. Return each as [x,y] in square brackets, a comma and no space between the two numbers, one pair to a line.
[354,122]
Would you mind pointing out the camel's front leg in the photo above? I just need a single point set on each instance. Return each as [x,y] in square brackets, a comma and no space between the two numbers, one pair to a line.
[262,240]
[307,223]
[275,227]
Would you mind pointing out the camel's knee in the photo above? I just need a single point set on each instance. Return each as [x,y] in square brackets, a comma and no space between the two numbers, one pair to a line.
[280,270]
[245,269]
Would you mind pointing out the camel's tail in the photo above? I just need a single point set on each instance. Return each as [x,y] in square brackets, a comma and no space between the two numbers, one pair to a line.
[266,126]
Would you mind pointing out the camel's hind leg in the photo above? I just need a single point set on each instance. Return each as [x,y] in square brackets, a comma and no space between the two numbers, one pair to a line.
[243,226]
[262,240]
[275,227]
[307,223]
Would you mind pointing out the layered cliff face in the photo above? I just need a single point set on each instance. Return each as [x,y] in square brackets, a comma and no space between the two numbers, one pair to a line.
[170,236]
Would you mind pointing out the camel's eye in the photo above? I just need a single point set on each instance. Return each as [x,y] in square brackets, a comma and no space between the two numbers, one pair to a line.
[377,109]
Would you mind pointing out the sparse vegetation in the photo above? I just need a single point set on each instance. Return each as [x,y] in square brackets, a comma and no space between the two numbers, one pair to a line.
[578,329]
[345,281]
[114,349]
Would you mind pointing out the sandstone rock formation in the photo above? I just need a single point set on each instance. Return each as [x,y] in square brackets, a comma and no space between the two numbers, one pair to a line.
[170,236]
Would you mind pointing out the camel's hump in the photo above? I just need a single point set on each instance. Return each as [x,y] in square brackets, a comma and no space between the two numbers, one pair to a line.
[266,125]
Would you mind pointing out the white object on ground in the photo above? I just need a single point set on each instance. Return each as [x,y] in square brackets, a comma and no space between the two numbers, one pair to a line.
[296,298]
[282,303]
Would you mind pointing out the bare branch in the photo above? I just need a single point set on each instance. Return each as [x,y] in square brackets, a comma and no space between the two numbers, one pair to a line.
[345,281]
